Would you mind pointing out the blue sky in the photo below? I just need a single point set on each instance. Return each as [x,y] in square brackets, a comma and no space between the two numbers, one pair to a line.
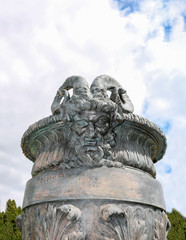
[128,6]
[168,21]
[140,43]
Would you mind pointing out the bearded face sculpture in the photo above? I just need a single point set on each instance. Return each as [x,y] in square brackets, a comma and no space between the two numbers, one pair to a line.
[92,134]
[88,131]
[92,117]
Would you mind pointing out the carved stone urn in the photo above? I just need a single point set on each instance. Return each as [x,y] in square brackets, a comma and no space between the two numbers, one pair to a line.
[93,175]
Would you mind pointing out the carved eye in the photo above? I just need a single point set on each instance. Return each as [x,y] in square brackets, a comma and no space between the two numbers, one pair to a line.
[94,90]
[102,122]
[81,123]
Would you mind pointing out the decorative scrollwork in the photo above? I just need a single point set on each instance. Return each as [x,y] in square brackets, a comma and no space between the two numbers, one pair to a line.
[59,223]
[133,223]
[127,223]
[162,223]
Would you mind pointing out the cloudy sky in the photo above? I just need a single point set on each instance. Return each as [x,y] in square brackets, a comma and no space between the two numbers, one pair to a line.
[141,43]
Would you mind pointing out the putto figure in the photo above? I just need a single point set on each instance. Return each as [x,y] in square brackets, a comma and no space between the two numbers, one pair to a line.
[98,91]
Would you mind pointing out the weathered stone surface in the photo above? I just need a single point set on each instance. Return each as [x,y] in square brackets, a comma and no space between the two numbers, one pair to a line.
[97,183]
[96,219]
[93,172]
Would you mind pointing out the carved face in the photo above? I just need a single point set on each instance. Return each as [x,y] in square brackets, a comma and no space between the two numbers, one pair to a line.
[99,91]
[81,90]
[91,126]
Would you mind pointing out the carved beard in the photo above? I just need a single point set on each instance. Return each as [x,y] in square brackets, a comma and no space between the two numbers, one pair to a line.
[86,151]
[80,153]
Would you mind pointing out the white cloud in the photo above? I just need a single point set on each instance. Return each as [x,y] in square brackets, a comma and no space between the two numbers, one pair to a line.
[44,42]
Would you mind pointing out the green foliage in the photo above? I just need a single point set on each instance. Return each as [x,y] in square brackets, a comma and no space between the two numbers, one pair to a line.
[178,226]
[8,229]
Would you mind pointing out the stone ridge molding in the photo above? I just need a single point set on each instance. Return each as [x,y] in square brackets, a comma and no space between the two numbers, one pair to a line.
[52,119]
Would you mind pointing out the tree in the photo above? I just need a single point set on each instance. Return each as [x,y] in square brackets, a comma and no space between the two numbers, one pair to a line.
[8,229]
[178,226]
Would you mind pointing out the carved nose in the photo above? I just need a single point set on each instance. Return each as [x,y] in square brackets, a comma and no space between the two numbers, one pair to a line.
[91,129]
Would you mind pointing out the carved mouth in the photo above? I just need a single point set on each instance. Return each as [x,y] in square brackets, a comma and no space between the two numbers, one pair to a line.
[91,142]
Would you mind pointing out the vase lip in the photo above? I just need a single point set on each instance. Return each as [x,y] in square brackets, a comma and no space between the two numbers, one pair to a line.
[56,121]
[90,127]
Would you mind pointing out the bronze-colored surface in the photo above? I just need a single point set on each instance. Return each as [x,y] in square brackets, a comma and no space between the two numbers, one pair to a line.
[93,176]
[98,183]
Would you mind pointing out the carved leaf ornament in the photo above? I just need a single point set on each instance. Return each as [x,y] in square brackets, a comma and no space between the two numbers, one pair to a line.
[125,223]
